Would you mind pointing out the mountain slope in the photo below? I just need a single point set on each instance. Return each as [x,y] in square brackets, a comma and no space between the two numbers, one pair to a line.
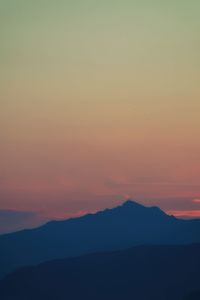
[124,226]
[142,273]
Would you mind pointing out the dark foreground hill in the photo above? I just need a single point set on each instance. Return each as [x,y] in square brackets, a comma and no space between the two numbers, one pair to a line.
[195,295]
[140,273]
[124,226]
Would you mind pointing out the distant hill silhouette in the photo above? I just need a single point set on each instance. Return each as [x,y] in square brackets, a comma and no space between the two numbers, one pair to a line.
[140,273]
[15,220]
[125,226]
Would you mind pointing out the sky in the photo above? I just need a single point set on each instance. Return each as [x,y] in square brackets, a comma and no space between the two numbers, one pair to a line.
[100,102]
[13,220]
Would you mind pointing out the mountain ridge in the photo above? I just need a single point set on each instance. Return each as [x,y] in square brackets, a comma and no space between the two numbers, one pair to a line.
[153,272]
[124,226]
[127,204]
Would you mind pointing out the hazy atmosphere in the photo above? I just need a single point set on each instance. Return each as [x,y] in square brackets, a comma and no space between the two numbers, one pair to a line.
[100,102]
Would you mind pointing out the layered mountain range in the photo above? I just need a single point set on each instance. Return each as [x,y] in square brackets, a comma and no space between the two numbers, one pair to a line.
[127,225]
[140,273]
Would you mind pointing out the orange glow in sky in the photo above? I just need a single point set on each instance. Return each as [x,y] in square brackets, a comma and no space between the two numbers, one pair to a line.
[99,102]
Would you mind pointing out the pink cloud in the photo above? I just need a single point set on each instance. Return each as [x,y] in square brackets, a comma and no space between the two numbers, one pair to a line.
[184,213]
[196,200]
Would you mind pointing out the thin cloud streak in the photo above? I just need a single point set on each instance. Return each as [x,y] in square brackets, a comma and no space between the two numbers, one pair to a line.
[196,200]
[184,213]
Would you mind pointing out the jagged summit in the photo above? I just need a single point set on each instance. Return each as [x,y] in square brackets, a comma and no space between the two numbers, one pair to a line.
[132,203]
[124,226]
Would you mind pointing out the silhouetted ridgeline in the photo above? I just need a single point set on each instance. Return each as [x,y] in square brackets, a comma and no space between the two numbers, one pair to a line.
[112,229]
[141,273]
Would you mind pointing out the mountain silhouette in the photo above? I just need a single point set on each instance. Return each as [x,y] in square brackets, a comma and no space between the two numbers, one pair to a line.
[142,273]
[124,226]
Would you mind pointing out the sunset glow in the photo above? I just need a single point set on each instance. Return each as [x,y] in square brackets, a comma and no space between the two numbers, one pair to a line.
[99,102]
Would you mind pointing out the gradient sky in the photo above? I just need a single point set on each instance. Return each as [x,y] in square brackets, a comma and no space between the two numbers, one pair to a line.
[100,101]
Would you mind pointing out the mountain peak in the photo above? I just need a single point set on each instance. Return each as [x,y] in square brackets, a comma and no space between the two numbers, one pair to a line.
[131,206]
[131,203]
